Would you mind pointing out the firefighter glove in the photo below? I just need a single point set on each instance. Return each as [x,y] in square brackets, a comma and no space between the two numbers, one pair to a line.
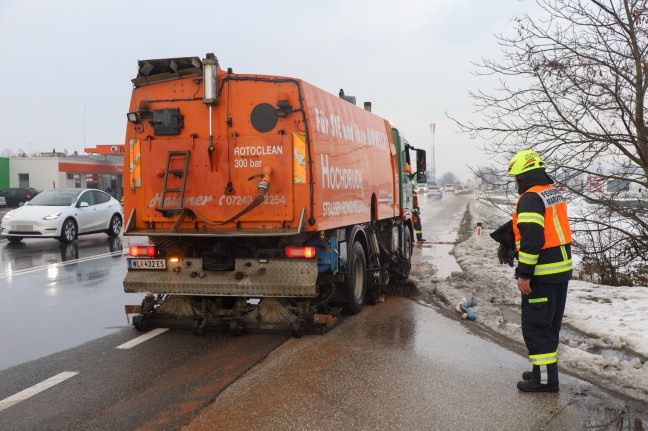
[505,254]
[504,234]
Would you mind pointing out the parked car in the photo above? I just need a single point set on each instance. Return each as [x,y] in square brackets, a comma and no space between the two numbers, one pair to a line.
[17,196]
[64,214]
[449,188]
[435,192]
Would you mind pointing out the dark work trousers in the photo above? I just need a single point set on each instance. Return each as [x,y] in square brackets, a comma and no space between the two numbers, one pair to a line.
[418,228]
[542,314]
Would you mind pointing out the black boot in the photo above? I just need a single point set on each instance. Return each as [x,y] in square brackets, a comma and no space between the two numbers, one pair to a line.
[528,375]
[533,386]
[532,379]
[534,374]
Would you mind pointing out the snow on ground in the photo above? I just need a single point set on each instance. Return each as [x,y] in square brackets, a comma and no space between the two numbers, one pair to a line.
[604,337]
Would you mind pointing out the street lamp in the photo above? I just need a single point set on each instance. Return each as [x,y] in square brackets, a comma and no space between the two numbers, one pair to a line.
[432,129]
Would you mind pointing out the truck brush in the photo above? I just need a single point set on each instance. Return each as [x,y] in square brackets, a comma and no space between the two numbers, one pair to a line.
[404,288]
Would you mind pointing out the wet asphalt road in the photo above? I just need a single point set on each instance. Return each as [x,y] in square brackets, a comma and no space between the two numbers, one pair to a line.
[56,296]
[398,366]
[157,385]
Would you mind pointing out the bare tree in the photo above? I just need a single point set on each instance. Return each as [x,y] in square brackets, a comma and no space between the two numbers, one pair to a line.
[573,87]
[447,178]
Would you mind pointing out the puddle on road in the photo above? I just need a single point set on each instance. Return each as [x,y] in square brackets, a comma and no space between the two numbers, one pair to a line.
[601,417]
[441,224]
[437,254]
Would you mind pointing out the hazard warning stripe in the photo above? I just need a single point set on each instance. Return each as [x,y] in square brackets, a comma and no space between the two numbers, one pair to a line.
[299,158]
[135,162]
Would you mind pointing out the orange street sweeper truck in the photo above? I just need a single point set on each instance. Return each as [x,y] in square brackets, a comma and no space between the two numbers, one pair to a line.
[268,203]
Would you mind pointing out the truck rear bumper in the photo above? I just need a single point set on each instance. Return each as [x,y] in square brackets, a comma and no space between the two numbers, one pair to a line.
[250,278]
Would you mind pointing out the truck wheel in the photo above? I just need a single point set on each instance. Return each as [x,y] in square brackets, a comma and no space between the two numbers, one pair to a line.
[355,286]
[139,322]
[299,328]
[198,328]
[407,243]
[235,327]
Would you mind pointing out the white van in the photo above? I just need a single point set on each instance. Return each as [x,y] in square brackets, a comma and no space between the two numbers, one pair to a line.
[449,188]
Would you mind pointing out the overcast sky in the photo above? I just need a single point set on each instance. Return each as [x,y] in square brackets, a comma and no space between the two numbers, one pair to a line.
[66,65]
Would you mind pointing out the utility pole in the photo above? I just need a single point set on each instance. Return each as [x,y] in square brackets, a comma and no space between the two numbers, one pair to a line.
[433,129]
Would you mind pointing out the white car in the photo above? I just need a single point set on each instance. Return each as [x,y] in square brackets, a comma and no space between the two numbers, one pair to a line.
[64,214]
[421,187]
[3,202]
[435,191]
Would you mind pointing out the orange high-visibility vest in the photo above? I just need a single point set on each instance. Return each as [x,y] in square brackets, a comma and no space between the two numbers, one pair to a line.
[555,223]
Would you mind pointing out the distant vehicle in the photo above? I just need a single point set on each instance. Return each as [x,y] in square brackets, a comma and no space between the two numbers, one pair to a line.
[449,188]
[435,192]
[17,196]
[3,202]
[595,184]
[64,214]
[421,187]
[561,187]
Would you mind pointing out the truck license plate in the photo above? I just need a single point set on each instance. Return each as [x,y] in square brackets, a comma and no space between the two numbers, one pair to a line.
[146,264]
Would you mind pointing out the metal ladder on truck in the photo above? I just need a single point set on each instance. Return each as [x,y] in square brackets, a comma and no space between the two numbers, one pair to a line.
[170,211]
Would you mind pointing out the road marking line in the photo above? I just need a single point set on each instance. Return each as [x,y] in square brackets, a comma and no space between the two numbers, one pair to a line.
[40,387]
[134,342]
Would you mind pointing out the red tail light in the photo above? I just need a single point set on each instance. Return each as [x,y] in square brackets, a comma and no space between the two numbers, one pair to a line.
[142,250]
[300,252]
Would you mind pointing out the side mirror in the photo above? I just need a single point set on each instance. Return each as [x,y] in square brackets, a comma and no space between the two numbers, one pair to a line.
[421,163]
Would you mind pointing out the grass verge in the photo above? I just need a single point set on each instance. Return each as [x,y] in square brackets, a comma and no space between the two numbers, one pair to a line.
[465,227]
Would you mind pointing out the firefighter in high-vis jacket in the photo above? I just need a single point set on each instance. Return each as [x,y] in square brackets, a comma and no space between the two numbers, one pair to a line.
[543,244]
[416,218]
